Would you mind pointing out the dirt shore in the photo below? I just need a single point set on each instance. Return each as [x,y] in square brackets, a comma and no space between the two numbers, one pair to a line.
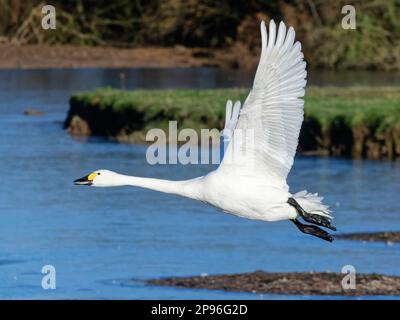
[292,283]
[69,56]
[388,237]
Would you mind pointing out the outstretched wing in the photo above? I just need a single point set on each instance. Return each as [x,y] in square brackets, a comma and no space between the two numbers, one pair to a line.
[231,119]
[266,135]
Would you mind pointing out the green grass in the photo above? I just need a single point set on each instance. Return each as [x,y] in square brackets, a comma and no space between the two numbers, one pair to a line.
[191,108]
[377,108]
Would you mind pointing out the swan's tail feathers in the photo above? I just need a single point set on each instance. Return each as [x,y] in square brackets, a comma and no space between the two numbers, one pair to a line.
[312,204]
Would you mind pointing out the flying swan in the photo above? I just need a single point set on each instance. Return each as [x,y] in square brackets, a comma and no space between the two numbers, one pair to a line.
[251,182]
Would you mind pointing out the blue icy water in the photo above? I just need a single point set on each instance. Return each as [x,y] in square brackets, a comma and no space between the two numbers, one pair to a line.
[104,243]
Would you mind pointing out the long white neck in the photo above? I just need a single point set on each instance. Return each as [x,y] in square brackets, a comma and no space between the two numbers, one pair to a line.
[188,188]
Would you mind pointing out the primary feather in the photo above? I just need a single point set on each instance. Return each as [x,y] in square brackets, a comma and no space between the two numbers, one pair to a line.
[273,108]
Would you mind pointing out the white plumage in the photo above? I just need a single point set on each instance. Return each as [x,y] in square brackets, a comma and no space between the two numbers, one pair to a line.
[274,107]
[251,180]
[231,118]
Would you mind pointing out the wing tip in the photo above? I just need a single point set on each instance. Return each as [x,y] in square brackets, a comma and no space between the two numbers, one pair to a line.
[263,30]
[272,22]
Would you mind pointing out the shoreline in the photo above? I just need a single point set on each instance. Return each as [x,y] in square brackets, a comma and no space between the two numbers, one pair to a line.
[288,283]
[14,56]
[388,237]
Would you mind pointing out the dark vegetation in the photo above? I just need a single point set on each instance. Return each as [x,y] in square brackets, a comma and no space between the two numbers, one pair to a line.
[375,44]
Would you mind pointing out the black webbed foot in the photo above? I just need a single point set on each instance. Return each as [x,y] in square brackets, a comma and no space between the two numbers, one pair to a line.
[313,230]
[311,218]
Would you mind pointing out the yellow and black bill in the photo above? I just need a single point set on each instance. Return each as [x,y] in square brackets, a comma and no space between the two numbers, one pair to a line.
[86,180]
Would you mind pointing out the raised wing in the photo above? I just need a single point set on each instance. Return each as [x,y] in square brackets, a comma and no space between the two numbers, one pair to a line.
[267,132]
[231,119]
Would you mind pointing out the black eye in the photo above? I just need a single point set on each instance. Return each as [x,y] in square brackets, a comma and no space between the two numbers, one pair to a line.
[98,173]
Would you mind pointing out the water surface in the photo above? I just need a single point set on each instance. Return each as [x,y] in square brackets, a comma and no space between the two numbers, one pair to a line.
[104,243]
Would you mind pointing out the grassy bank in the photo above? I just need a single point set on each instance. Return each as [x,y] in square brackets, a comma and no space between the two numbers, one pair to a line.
[356,122]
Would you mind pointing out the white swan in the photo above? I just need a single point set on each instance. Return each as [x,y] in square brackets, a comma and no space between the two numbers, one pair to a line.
[251,180]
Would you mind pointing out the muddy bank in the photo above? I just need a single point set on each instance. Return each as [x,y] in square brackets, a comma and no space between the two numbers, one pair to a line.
[293,283]
[70,56]
[388,237]
[362,141]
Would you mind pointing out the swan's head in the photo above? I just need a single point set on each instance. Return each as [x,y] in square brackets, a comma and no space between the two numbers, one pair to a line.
[99,178]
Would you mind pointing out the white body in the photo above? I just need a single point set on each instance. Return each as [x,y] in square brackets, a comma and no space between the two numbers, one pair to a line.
[251,180]
[246,197]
